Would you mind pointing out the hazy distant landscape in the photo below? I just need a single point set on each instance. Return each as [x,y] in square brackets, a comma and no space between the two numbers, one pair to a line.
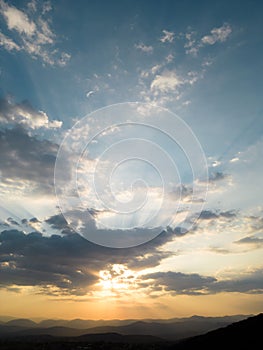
[126,334]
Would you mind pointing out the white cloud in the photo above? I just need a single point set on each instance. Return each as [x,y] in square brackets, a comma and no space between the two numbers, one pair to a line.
[46,7]
[192,45]
[8,43]
[166,82]
[34,34]
[169,58]
[17,20]
[64,58]
[144,48]
[167,37]
[233,160]
[186,103]
[24,114]
[217,35]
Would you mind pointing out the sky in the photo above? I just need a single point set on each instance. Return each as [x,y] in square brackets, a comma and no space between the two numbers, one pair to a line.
[131,145]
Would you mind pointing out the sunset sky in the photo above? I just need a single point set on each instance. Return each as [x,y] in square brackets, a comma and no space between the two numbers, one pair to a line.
[131,148]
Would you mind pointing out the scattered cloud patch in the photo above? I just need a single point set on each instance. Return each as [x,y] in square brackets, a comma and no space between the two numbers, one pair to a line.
[216,35]
[167,37]
[144,48]
[8,43]
[219,34]
[32,32]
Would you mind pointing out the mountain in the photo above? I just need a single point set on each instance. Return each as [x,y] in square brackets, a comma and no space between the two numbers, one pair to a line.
[21,322]
[170,330]
[244,334]
[52,331]
[83,324]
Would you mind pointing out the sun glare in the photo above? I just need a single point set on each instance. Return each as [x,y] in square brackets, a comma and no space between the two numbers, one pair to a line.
[117,278]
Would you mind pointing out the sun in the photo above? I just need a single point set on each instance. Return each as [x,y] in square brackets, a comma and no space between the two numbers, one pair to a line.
[117,278]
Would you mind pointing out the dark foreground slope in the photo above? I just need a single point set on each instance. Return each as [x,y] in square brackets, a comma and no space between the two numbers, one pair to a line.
[246,334]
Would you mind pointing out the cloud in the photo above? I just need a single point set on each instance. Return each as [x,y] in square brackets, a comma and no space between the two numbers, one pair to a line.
[33,33]
[8,43]
[144,48]
[17,20]
[69,264]
[25,115]
[217,176]
[194,284]
[219,34]
[249,282]
[27,159]
[166,82]
[254,242]
[178,283]
[191,46]
[167,37]
[216,35]
[210,214]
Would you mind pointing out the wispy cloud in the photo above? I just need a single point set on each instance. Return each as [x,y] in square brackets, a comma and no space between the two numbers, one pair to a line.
[167,37]
[8,43]
[144,48]
[216,35]
[219,34]
[33,32]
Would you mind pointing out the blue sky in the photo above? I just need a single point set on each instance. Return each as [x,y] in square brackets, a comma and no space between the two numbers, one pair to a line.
[60,61]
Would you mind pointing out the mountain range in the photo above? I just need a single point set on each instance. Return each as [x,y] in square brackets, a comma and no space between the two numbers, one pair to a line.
[244,334]
[170,330]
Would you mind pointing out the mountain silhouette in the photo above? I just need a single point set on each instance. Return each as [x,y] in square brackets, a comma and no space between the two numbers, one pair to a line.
[21,322]
[170,330]
[240,335]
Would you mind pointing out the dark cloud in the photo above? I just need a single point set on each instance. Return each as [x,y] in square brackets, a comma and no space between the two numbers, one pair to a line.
[12,221]
[207,214]
[34,220]
[217,176]
[179,283]
[248,283]
[69,263]
[26,158]
[195,284]
[57,222]
[253,241]
[210,214]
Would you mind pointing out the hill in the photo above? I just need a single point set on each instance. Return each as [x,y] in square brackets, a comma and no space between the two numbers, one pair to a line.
[240,335]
